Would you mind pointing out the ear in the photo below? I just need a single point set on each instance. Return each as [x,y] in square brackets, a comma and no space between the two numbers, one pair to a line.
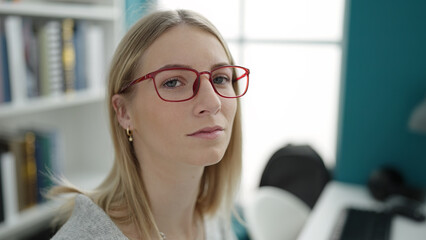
[122,111]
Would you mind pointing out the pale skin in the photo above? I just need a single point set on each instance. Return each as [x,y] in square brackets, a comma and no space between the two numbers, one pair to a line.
[172,161]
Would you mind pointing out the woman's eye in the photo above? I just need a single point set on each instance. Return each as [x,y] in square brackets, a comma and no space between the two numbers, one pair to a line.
[221,80]
[172,83]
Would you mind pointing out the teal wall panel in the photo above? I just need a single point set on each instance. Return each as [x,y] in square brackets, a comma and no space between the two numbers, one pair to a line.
[385,78]
[135,9]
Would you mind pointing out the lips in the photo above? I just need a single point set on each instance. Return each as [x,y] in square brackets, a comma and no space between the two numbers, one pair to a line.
[208,132]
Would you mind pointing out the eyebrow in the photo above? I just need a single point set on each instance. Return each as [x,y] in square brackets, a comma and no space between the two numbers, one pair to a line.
[188,66]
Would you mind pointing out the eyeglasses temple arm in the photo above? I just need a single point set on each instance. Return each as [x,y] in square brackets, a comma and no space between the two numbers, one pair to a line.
[245,74]
[148,76]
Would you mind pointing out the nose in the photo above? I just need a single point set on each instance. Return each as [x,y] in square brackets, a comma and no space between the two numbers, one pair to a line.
[208,102]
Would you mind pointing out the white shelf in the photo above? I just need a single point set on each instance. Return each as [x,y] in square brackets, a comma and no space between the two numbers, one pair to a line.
[50,103]
[29,221]
[77,116]
[40,216]
[61,10]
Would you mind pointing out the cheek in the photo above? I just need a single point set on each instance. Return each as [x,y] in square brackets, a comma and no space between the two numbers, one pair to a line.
[146,109]
[156,120]
[229,109]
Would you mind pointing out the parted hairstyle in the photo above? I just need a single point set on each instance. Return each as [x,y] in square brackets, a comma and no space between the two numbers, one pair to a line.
[123,190]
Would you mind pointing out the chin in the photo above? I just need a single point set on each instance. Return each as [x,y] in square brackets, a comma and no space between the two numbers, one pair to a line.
[207,159]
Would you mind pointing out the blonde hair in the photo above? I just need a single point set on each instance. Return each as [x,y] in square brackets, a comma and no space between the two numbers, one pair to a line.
[123,189]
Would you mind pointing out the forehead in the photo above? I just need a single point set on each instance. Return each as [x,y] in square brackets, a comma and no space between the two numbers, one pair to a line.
[184,45]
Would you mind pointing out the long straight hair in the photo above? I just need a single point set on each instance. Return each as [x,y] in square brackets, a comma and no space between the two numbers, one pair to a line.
[123,190]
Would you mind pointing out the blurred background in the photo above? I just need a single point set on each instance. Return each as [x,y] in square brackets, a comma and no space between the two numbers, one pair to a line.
[294,52]
[346,78]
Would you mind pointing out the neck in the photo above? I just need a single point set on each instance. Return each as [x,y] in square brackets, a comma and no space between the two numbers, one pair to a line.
[173,192]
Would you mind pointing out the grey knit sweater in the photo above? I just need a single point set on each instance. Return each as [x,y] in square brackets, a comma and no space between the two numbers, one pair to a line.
[89,222]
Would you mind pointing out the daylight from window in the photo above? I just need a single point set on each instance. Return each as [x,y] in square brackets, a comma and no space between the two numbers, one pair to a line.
[294,52]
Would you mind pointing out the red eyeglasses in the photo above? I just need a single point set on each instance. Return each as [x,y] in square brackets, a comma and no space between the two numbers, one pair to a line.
[181,84]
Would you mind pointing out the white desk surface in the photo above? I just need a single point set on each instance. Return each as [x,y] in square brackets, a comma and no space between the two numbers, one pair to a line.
[336,197]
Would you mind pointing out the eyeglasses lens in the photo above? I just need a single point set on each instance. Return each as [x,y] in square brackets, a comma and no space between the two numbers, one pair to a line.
[181,84]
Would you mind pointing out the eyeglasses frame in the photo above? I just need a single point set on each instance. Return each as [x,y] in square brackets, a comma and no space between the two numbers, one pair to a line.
[152,75]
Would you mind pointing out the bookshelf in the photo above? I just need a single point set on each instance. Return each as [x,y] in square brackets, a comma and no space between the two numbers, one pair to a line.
[61,10]
[79,116]
[36,218]
[46,104]
[28,221]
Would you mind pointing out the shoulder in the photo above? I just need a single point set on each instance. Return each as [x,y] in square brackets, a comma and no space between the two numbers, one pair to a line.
[216,228]
[88,221]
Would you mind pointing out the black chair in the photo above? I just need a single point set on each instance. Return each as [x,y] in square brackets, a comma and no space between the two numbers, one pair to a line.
[299,170]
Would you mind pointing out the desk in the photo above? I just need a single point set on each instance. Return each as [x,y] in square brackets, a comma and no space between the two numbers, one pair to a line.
[336,197]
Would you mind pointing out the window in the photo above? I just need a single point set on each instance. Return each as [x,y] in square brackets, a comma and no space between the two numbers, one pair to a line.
[293,49]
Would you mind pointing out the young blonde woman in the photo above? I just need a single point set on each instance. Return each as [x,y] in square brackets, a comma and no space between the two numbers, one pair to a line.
[174,114]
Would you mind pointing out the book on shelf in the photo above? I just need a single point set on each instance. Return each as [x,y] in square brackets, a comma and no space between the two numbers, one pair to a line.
[2,150]
[95,56]
[48,57]
[9,186]
[32,157]
[4,68]
[80,57]
[14,42]
[31,57]
[47,150]
[1,65]
[68,54]
[51,75]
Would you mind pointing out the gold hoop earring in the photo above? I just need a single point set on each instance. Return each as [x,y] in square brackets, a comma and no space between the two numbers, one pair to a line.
[129,134]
